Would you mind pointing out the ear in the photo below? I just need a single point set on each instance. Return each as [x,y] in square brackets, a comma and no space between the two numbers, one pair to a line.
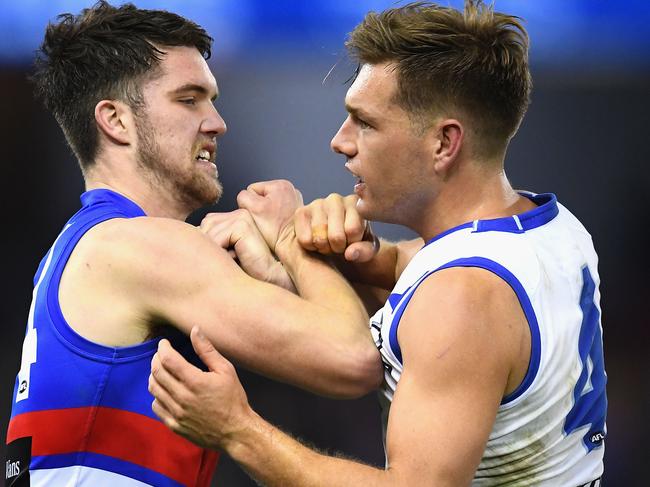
[114,120]
[450,136]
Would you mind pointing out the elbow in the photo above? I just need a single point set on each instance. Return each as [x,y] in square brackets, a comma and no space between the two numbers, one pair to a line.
[363,374]
[371,372]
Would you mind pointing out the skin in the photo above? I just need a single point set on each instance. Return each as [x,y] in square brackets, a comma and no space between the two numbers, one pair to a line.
[472,351]
[126,276]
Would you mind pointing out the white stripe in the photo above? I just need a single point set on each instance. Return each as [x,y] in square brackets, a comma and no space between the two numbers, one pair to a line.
[80,476]
[29,344]
[517,222]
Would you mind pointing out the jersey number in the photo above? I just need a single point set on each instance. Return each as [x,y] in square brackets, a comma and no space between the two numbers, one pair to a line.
[590,400]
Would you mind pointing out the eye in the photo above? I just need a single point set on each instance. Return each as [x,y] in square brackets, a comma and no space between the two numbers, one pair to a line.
[361,122]
[188,101]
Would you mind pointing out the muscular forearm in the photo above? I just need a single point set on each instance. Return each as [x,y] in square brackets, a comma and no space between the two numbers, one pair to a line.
[276,459]
[317,282]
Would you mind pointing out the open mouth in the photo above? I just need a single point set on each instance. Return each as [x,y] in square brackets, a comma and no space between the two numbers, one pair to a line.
[204,155]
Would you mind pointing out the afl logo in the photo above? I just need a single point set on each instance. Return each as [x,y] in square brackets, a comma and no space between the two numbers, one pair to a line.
[597,437]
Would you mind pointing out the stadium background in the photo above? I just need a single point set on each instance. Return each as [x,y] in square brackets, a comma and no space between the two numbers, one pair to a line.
[584,138]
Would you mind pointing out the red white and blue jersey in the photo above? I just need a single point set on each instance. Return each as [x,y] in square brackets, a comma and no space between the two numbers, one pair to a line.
[550,431]
[81,411]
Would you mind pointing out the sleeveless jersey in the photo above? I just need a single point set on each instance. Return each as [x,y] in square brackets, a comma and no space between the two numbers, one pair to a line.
[550,430]
[81,411]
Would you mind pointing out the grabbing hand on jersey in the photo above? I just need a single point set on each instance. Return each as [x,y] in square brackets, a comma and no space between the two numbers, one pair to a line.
[204,407]
[333,225]
[237,232]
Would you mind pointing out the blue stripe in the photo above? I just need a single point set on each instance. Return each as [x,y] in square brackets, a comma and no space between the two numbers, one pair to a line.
[524,302]
[104,462]
[112,200]
[546,210]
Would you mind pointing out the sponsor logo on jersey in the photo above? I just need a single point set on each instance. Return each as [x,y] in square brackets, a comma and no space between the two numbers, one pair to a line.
[12,469]
[19,455]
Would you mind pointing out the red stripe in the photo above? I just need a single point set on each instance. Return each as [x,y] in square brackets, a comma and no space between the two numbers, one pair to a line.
[117,433]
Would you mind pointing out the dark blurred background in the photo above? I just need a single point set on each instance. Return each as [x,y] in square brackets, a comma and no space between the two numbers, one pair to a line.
[585,138]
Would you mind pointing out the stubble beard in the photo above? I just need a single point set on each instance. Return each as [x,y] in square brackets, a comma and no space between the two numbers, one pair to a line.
[191,188]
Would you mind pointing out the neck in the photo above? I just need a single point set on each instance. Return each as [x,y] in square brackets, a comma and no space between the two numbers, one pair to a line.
[134,185]
[478,195]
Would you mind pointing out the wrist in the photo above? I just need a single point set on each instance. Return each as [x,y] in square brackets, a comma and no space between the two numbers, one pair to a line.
[243,443]
[286,244]
[278,275]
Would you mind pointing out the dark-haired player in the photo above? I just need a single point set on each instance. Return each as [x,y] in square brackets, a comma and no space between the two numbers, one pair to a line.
[134,96]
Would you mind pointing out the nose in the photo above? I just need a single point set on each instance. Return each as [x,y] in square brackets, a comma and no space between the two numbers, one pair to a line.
[213,125]
[343,141]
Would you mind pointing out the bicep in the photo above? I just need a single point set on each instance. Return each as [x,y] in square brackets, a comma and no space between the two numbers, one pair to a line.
[177,276]
[456,367]
[188,281]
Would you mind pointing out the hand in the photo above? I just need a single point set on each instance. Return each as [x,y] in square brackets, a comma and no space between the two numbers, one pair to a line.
[272,205]
[207,408]
[333,226]
[237,231]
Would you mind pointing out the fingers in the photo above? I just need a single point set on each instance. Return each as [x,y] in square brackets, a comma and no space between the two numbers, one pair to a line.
[302,225]
[364,250]
[360,252]
[259,187]
[336,234]
[206,351]
[168,366]
[226,229]
[166,384]
[164,404]
[163,413]
[320,229]
[249,199]
[215,226]
[354,225]
[331,225]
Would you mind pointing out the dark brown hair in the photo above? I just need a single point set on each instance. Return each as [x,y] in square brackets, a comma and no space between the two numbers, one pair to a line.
[474,61]
[105,52]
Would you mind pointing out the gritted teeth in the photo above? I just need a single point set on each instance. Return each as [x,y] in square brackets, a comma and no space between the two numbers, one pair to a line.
[204,155]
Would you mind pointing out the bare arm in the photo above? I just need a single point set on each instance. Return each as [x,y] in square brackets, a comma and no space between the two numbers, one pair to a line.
[170,272]
[459,362]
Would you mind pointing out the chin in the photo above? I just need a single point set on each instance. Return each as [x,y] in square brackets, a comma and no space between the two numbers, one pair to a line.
[366,211]
[218,192]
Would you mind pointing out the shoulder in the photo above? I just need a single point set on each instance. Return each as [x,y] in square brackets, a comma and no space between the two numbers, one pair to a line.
[467,315]
[144,235]
[148,248]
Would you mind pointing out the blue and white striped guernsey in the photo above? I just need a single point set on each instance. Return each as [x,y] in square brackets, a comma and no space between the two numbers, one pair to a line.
[550,431]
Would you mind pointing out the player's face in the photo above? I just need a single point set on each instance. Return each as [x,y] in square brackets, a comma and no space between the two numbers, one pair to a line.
[389,156]
[178,128]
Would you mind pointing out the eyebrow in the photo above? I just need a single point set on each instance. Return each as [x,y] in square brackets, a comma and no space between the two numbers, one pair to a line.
[194,87]
[358,112]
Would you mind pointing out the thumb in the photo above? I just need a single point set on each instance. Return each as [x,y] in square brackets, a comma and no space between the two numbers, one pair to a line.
[360,251]
[248,199]
[259,187]
[206,351]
